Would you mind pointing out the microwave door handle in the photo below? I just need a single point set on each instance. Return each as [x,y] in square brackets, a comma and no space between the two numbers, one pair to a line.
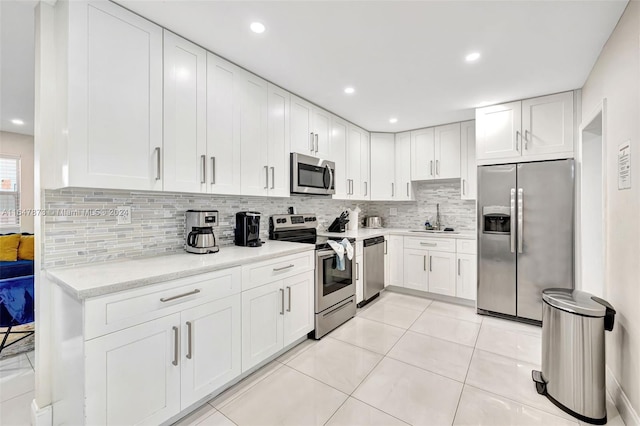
[330,176]
[513,215]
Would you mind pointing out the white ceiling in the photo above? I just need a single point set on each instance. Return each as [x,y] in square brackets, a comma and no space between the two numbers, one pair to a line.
[405,59]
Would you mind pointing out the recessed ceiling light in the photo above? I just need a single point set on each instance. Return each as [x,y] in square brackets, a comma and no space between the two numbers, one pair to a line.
[349,90]
[17,122]
[393,120]
[257,27]
[472,57]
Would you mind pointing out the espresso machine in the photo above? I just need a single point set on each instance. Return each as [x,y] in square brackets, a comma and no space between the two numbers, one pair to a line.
[199,237]
[248,229]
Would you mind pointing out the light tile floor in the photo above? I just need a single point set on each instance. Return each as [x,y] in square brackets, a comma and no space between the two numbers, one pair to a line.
[402,360]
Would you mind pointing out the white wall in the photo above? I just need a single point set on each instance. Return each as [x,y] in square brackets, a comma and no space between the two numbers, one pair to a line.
[616,77]
[21,145]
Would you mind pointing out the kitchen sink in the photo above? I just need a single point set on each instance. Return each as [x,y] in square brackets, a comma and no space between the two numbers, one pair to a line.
[433,231]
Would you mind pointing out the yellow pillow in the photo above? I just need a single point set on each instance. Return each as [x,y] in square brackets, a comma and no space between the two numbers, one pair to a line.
[9,247]
[25,249]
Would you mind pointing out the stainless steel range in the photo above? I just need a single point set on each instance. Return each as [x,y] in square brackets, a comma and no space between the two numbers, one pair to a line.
[335,289]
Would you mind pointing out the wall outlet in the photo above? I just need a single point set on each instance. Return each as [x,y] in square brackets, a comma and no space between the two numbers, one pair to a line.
[393,211]
[124,215]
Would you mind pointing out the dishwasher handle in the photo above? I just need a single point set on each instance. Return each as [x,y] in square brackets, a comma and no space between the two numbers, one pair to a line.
[373,241]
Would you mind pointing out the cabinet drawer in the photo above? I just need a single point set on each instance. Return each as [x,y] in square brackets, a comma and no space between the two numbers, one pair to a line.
[439,244]
[466,246]
[275,269]
[127,308]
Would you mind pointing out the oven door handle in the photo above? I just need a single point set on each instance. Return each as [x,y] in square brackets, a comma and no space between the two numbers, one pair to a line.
[325,253]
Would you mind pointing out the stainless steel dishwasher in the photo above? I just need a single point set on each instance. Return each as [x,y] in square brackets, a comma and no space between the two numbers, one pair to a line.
[373,280]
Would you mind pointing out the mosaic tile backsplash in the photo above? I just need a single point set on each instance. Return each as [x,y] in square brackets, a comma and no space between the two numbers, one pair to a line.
[77,234]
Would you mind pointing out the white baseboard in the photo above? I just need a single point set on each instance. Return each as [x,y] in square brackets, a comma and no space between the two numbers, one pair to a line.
[623,404]
[41,416]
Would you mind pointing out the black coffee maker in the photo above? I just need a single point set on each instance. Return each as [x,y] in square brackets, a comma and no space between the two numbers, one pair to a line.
[248,229]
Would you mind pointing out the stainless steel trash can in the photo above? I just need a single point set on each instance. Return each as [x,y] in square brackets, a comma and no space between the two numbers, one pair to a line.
[573,357]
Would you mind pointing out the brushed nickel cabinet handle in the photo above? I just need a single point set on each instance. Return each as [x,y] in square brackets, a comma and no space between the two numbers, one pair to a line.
[158,163]
[517,139]
[464,192]
[424,262]
[273,177]
[203,172]
[407,189]
[430,263]
[282,295]
[311,138]
[176,344]
[169,299]
[266,176]
[438,167]
[316,142]
[431,167]
[366,188]
[458,267]
[213,170]
[393,190]
[428,244]
[283,268]
[289,308]
[526,139]
[189,340]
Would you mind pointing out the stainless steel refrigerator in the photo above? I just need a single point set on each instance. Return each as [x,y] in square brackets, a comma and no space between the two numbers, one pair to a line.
[525,235]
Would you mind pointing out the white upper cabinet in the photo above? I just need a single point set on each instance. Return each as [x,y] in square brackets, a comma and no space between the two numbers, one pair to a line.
[223,125]
[185,101]
[403,190]
[111,96]
[365,165]
[355,186]
[382,166]
[339,131]
[278,125]
[350,152]
[530,130]
[423,154]
[468,168]
[302,138]
[447,151]
[547,125]
[321,134]
[253,136]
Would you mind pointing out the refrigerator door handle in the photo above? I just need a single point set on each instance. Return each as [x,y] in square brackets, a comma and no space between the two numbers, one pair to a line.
[520,219]
[513,215]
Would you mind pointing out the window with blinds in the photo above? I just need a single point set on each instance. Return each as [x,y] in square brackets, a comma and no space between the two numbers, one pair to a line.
[9,190]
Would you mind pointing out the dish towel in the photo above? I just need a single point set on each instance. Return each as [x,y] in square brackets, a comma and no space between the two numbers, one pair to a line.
[341,248]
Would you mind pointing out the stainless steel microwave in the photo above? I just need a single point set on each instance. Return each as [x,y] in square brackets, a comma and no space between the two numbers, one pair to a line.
[311,175]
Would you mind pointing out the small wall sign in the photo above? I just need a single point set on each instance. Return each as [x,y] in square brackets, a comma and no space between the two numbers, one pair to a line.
[624,165]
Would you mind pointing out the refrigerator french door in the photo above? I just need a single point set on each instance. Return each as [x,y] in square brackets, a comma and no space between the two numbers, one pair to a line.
[525,235]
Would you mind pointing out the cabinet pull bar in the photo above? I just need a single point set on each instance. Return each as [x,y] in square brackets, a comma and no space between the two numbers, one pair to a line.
[316,142]
[366,188]
[283,268]
[438,167]
[213,170]
[289,308]
[282,295]
[407,189]
[463,188]
[266,176]
[526,139]
[517,139]
[169,299]
[311,138]
[393,190]
[431,167]
[203,172]
[273,177]
[458,267]
[424,262]
[158,163]
[189,340]
[430,264]
[176,343]
[357,272]
[428,244]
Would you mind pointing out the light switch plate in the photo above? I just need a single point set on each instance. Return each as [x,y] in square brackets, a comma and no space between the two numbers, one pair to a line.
[393,211]
[124,215]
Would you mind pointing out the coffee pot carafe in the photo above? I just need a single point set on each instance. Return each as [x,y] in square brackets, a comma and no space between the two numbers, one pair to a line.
[199,231]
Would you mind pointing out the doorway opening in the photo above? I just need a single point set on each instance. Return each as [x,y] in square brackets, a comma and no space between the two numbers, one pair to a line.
[592,203]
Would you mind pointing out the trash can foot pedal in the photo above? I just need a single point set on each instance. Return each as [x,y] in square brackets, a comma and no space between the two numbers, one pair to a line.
[541,384]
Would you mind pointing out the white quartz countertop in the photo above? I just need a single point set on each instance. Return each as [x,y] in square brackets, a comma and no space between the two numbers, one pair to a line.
[104,278]
[364,233]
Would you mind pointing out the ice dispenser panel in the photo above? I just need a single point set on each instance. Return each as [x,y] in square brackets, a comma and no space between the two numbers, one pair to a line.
[496,220]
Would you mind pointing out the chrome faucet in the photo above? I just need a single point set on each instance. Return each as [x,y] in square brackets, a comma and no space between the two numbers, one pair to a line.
[438,224]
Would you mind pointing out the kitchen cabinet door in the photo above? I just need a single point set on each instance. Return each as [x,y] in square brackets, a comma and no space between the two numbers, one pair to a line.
[147,354]
[210,354]
[278,156]
[114,104]
[404,190]
[498,131]
[382,167]
[262,323]
[396,260]
[365,166]
[299,314]
[302,140]
[185,102]
[416,274]
[468,168]
[224,94]
[466,277]
[359,281]
[447,151]
[339,133]
[442,273]
[423,154]
[253,136]
[547,125]
[354,163]
[322,133]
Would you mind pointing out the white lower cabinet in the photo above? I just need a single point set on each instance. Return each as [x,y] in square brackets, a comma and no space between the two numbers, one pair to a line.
[442,273]
[466,277]
[359,278]
[275,315]
[415,269]
[145,354]
[395,260]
